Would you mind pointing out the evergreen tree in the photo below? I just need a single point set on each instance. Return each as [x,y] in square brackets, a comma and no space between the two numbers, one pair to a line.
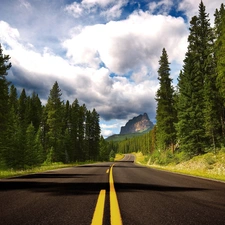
[54,123]
[31,155]
[197,111]
[13,130]
[4,110]
[165,112]
[67,144]
[220,48]
[13,98]
[33,110]
[104,149]
[92,134]
[96,131]
[74,130]
[23,124]
[38,148]
[220,61]
[82,127]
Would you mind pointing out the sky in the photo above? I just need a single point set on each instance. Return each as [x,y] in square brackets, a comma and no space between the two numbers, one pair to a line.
[104,53]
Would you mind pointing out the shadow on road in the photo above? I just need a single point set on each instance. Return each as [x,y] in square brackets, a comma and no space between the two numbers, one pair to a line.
[125,187]
[54,175]
[54,188]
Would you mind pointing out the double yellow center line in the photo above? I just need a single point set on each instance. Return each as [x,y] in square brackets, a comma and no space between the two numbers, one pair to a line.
[115,216]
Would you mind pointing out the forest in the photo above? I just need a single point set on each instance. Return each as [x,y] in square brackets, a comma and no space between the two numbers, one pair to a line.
[32,134]
[190,116]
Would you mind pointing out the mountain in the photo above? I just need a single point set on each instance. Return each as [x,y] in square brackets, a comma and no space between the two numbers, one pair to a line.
[138,124]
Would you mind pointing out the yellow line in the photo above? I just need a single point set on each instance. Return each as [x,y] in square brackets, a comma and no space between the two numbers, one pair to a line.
[99,209]
[115,216]
[107,171]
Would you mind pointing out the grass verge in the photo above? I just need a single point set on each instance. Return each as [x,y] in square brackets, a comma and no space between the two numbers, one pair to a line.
[6,173]
[118,157]
[209,165]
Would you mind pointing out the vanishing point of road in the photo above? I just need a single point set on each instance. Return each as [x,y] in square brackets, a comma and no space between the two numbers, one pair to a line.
[111,194]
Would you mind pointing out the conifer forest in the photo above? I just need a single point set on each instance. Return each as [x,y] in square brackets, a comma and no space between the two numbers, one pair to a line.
[190,116]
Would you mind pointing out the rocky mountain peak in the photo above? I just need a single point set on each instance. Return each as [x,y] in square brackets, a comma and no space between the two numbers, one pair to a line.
[137,124]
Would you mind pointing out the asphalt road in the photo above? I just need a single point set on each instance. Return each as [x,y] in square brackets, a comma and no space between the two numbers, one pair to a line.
[87,195]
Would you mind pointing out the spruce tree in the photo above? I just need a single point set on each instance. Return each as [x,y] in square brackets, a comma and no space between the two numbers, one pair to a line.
[165,112]
[33,110]
[67,134]
[22,110]
[197,110]
[54,123]
[96,131]
[13,130]
[38,147]
[104,149]
[220,62]
[31,155]
[74,130]
[220,49]
[92,134]
[4,109]
[82,136]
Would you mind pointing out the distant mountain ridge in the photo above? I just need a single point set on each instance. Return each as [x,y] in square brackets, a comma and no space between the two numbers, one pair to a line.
[138,124]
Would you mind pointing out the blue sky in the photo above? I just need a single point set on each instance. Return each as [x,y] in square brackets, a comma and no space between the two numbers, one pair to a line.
[105,53]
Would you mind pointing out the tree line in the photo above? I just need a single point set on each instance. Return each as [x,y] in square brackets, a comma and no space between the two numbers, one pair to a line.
[32,134]
[191,116]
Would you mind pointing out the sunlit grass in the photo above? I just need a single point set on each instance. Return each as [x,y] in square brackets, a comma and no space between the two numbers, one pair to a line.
[12,173]
[140,158]
[208,165]
[119,156]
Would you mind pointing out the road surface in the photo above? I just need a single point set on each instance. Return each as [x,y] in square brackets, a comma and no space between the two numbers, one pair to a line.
[111,193]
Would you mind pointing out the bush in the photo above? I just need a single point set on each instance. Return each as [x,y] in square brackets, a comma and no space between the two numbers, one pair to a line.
[210,158]
[167,157]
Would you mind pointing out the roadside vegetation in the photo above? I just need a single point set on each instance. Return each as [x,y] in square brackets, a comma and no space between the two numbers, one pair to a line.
[189,135]
[208,165]
[6,173]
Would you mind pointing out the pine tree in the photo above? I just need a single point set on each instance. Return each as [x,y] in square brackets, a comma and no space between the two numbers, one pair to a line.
[74,130]
[67,139]
[220,61]
[96,131]
[220,48]
[82,127]
[54,123]
[33,110]
[197,110]
[13,130]
[22,110]
[31,154]
[104,149]
[4,109]
[39,148]
[165,112]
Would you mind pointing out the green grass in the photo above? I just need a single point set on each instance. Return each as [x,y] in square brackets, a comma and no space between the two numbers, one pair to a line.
[6,173]
[119,156]
[208,165]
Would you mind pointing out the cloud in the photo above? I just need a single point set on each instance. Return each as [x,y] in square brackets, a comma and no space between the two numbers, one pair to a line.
[109,128]
[75,9]
[190,7]
[111,67]
[101,3]
[108,9]
[127,45]
[108,64]
[161,7]
[8,34]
